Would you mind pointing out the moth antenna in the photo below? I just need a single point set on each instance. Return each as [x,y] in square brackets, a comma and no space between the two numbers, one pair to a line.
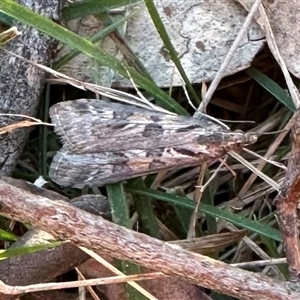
[238,122]
[187,95]
[270,132]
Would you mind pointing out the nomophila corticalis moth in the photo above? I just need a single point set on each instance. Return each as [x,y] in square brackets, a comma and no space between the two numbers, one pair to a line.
[110,142]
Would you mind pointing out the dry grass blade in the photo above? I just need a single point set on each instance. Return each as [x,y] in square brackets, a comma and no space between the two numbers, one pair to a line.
[118,272]
[9,35]
[266,178]
[275,163]
[265,24]
[198,196]
[260,263]
[91,291]
[17,290]
[97,89]
[267,156]
[209,244]
[21,124]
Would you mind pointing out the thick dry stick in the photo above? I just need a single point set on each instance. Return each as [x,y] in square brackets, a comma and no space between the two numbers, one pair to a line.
[287,204]
[66,222]
[44,266]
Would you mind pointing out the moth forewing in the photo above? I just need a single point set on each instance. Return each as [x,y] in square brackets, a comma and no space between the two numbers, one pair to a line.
[110,142]
[94,125]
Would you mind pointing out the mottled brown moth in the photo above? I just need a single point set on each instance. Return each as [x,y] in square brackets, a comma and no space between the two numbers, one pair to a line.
[110,142]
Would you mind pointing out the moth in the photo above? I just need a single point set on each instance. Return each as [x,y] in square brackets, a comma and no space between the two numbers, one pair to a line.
[109,142]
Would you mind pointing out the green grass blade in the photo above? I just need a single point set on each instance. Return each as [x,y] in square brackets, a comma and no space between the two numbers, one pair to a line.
[272,251]
[118,203]
[169,46]
[245,223]
[208,199]
[145,210]
[94,39]
[120,215]
[27,249]
[92,7]
[7,236]
[7,20]
[184,216]
[43,134]
[272,87]
[129,55]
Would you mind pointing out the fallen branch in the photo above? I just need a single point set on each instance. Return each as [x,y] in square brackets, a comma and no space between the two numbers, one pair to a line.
[66,222]
[22,270]
[287,204]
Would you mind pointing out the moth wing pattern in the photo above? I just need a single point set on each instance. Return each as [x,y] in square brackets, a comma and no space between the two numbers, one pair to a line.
[88,125]
[68,169]
[109,142]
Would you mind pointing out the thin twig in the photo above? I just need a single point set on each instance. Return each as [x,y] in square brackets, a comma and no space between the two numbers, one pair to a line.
[260,263]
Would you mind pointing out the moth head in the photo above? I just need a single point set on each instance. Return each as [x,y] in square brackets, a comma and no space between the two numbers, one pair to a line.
[251,138]
[240,139]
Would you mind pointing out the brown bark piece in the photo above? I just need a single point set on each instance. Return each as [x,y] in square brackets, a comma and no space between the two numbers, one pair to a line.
[66,222]
[20,90]
[284,17]
[287,204]
[174,288]
[21,83]
[51,295]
